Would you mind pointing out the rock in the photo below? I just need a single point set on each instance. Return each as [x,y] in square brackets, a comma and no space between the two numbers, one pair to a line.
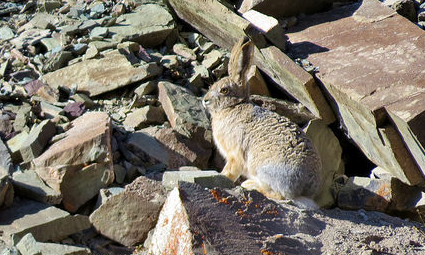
[74,109]
[406,8]
[146,88]
[44,21]
[184,51]
[120,173]
[79,176]
[381,116]
[128,216]
[6,191]
[36,140]
[51,44]
[207,179]
[49,111]
[195,220]
[105,194]
[83,98]
[6,166]
[6,126]
[330,151]
[45,222]
[30,37]
[280,8]
[62,249]
[6,33]
[269,26]
[98,33]
[212,59]
[143,117]
[184,111]
[49,5]
[296,112]
[149,25]
[15,145]
[257,85]
[57,61]
[28,245]
[28,184]
[90,75]
[170,61]
[166,146]
[271,60]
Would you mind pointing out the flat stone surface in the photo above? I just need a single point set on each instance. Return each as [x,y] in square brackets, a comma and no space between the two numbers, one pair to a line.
[62,249]
[6,166]
[208,179]
[28,245]
[369,63]
[79,176]
[43,221]
[37,139]
[128,216]
[90,76]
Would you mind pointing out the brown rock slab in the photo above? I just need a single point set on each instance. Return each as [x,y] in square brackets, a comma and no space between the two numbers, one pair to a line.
[96,76]
[128,216]
[79,176]
[257,85]
[368,59]
[44,222]
[225,28]
[169,147]
[194,220]
[37,139]
[144,117]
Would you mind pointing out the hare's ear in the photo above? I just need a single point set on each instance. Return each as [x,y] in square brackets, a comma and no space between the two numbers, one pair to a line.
[241,60]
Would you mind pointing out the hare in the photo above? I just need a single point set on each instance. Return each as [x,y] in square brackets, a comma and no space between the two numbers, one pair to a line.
[274,155]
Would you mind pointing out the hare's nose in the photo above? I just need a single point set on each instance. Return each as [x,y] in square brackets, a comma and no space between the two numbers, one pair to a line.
[205,102]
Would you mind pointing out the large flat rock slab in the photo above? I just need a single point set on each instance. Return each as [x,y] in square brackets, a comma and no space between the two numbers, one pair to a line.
[97,76]
[370,63]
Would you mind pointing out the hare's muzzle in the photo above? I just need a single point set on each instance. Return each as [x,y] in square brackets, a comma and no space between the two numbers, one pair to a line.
[205,102]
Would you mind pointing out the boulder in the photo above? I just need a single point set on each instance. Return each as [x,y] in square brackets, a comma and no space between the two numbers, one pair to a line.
[28,245]
[143,117]
[128,216]
[165,145]
[379,104]
[36,140]
[195,220]
[15,144]
[208,179]
[149,25]
[79,176]
[90,75]
[44,222]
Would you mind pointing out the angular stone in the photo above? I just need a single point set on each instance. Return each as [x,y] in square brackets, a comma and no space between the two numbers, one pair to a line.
[44,21]
[406,8]
[98,33]
[51,43]
[28,245]
[257,85]
[170,61]
[105,194]
[146,88]
[30,37]
[208,18]
[128,216]
[28,184]
[143,117]
[6,191]
[49,111]
[79,176]
[62,249]
[57,61]
[15,145]
[212,59]
[167,146]
[269,26]
[37,139]
[280,8]
[88,103]
[380,103]
[330,151]
[184,110]
[184,51]
[6,166]
[89,75]
[6,33]
[207,179]
[45,222]
[195,220]
[149,25]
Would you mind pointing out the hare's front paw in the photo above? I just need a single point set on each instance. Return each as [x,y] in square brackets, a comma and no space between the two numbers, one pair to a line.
[232,170]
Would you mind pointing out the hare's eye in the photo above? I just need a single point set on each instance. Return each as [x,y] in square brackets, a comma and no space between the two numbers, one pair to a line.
[224,91]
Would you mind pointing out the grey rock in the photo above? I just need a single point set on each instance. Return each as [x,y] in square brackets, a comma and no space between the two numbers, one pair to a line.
[149,25]
[207,179]
[49,5]
[22,118]
[30,37]
[128,216]
[79,48]
[6,33]
[144,117]
[120,173]
[170,61]
[45,222]
[44,21]
[57,61]
[28,184]
[79,97]
[15,145]
[28,245]
[184,51]
[6,166]
[62,249]
[406,8]
[51,43]
[49,111]
[97,10]
[6,191]
[212,59]
[98,33]
[105,194]
[146,88]
[37,139]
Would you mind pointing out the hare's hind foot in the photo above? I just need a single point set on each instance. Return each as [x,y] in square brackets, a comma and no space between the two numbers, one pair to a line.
[251,184]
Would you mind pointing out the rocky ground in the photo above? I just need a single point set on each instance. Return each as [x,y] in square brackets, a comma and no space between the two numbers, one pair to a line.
[101,117]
